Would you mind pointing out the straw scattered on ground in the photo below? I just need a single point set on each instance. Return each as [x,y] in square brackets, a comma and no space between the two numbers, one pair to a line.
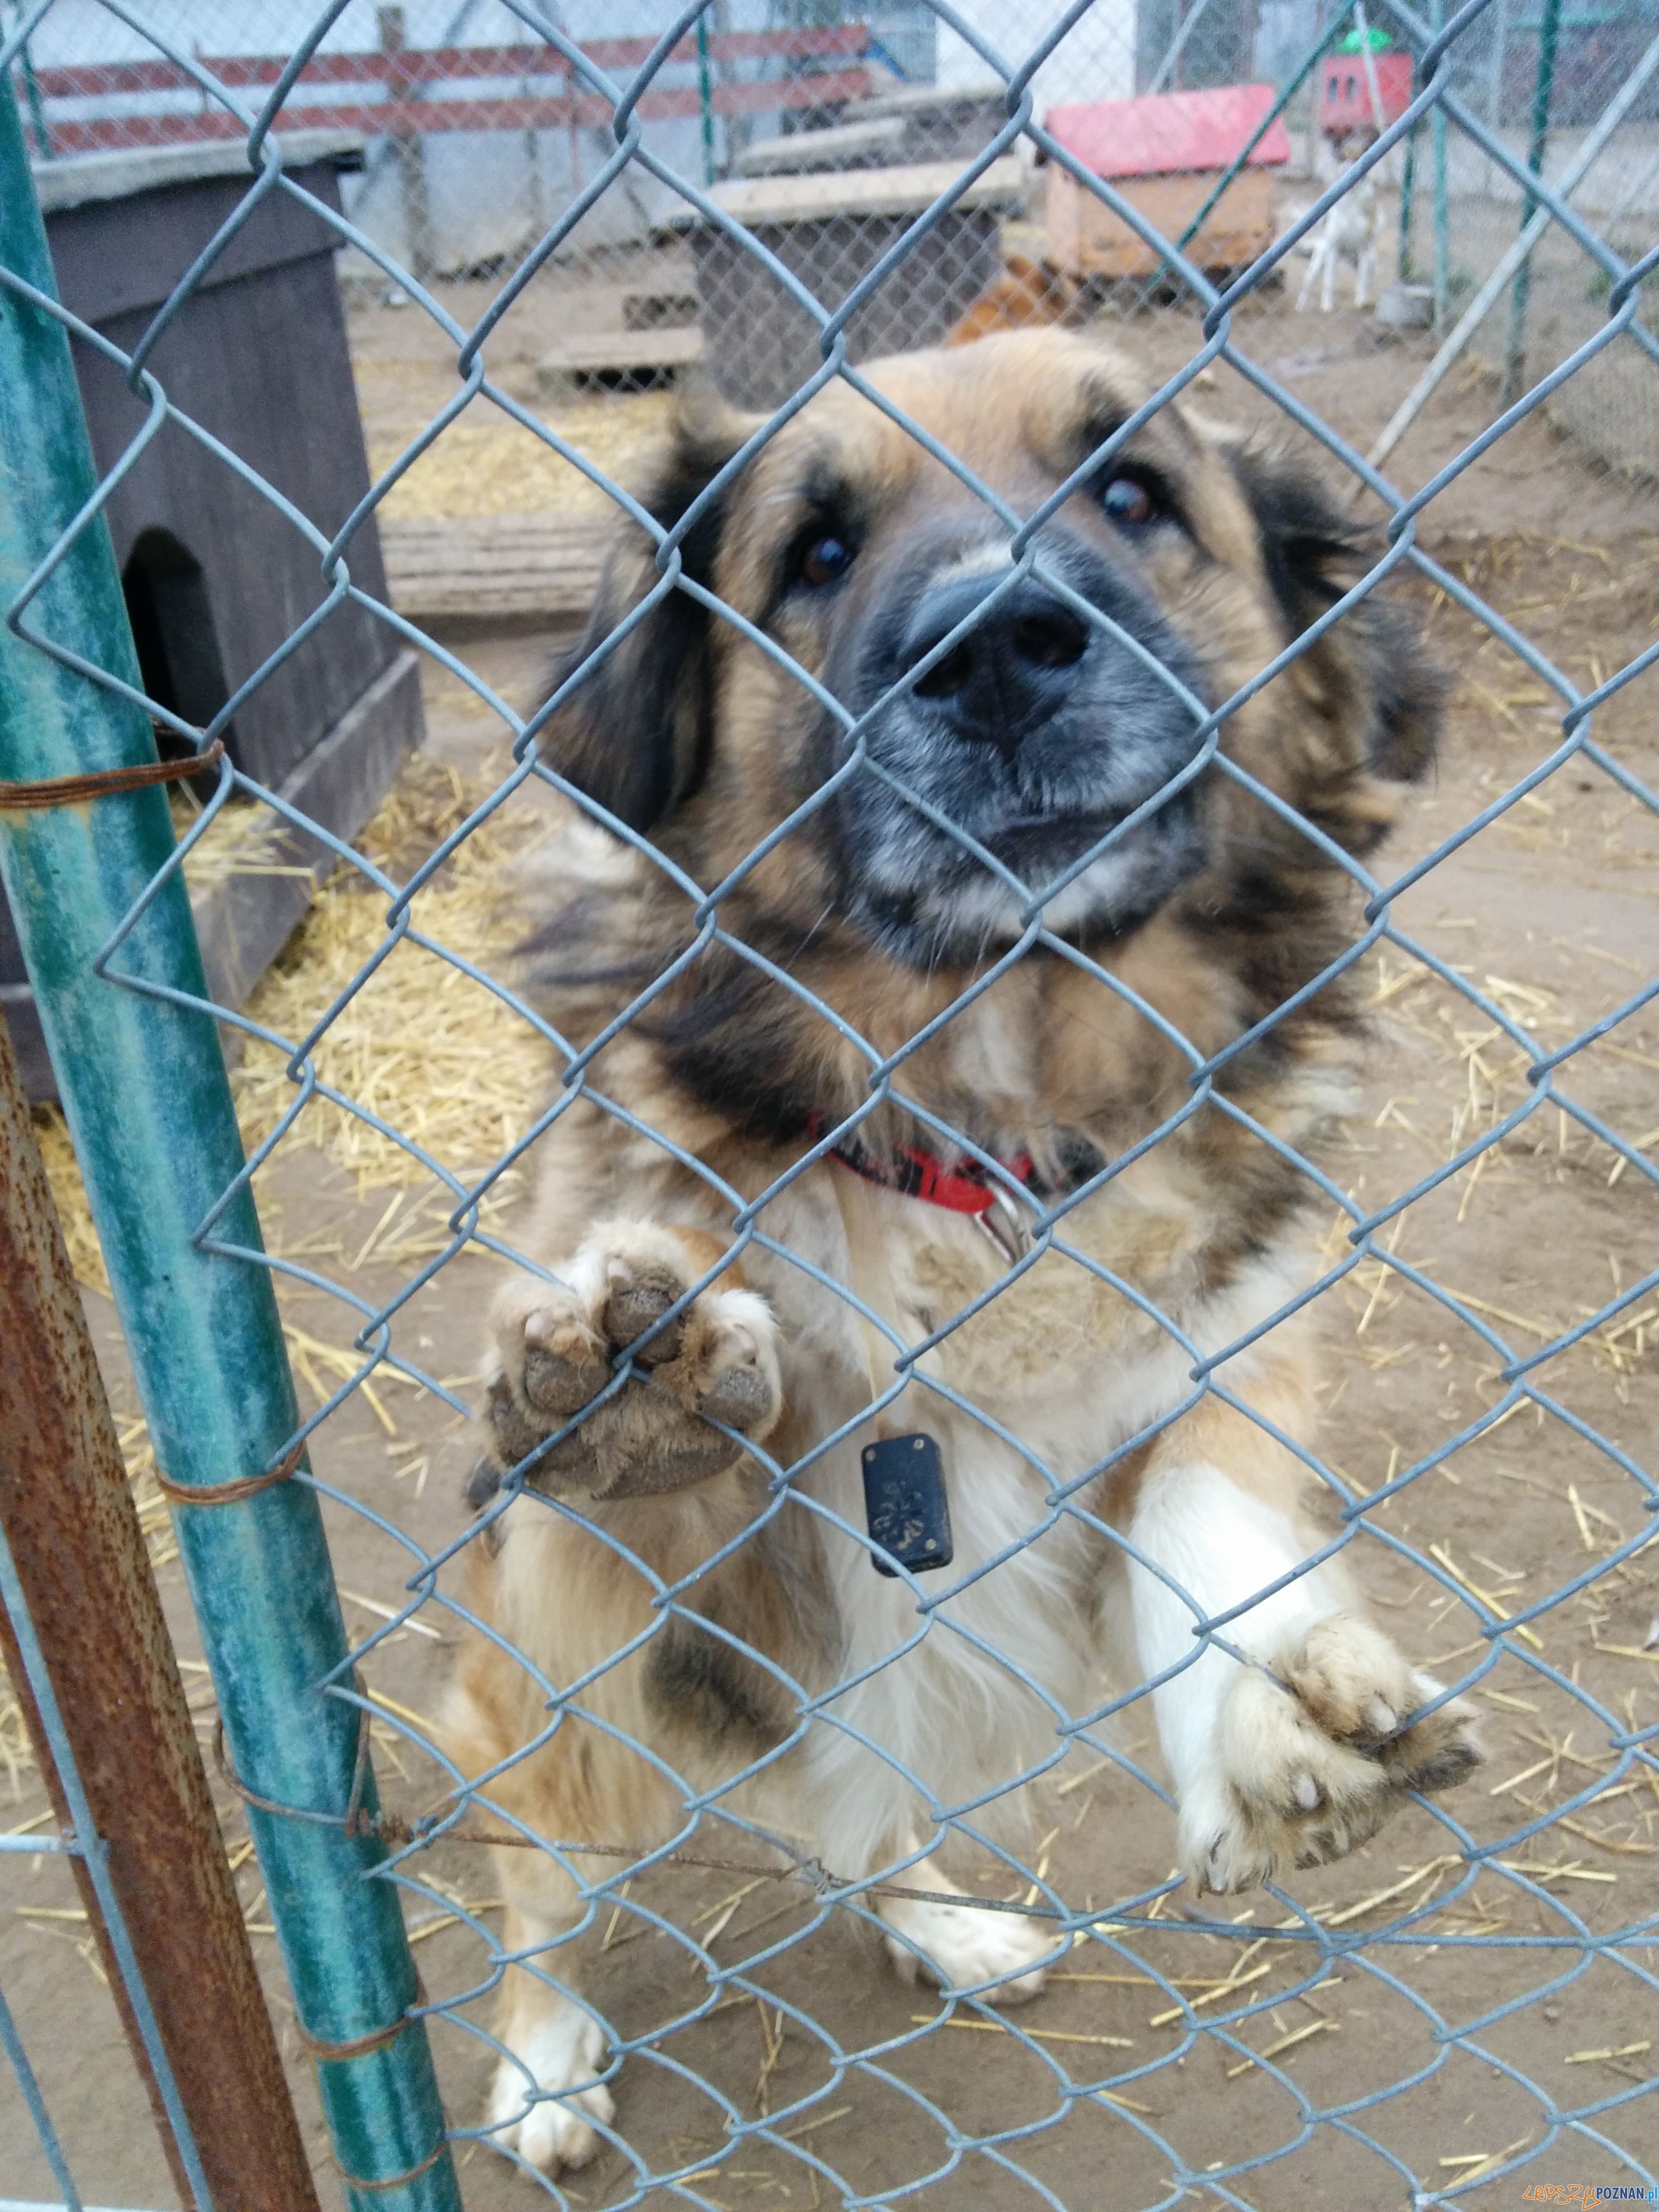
[16,1753]
[420,1046]
[486,463]
[243,839]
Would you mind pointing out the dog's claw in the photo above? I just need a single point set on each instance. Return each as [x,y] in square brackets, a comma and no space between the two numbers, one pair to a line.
[1302,1774]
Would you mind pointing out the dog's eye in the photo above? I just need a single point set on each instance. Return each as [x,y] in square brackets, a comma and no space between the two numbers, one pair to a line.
[826,559]
[1127,501]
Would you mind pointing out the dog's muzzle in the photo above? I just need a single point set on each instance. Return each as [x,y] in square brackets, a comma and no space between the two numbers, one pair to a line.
[1013,671]
[1033,735]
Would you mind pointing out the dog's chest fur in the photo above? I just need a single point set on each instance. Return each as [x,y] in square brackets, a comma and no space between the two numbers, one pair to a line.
[1059,1370]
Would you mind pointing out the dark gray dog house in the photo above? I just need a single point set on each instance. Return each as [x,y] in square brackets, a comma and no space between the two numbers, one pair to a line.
[216,579]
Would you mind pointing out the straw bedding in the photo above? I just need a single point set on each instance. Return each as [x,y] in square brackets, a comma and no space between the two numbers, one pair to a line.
[486,463]
[420,1046]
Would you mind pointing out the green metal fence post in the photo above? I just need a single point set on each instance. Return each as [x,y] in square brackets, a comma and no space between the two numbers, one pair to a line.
[1442,209]
[1298,77]
[1515,350]
[144,1088]
[706,99]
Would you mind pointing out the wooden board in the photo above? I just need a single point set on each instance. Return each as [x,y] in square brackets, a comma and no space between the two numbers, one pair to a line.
[840,146]
[855,192]
[1085,239]
[625,359]
[497,564]
[674,310]
[671,345]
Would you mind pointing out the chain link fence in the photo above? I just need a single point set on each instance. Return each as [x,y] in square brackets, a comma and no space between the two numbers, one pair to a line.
[1049,1594]
[477,137]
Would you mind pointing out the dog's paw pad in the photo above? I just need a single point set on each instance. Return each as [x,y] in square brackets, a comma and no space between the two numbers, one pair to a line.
[1435,1752]
[564,1364]
[637,1297]
[715,1362]
[1352,1682]
[742,1395]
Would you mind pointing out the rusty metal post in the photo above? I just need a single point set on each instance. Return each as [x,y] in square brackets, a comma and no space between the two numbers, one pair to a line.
[68,1520]
[16,1670]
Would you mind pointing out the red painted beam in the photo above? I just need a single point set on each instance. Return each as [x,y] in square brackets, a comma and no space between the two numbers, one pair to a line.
[418,118]
[415,65]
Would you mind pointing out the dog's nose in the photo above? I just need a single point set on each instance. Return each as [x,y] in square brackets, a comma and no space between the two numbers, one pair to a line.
[1011,671]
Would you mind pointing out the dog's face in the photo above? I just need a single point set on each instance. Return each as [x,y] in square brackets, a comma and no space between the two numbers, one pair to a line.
[1027,715]
[980,732]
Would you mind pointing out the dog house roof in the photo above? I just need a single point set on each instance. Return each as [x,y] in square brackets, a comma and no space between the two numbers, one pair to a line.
[1166,130]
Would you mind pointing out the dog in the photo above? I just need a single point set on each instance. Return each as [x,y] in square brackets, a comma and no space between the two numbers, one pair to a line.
[1352,230]
[1022,295]
[1029,896]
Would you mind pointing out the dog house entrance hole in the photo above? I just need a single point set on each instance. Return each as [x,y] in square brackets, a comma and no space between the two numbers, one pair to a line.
[179,656]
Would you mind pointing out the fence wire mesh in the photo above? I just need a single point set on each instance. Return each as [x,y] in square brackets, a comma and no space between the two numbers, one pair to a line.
[818,902]
[82,1841]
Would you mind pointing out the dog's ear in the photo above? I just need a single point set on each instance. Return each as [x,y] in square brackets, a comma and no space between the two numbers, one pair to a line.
[1373,662]
[634,733]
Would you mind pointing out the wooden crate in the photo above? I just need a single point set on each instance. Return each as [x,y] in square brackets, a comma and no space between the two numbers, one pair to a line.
[1085,239]
[490,566]
[628,360]
[829,231]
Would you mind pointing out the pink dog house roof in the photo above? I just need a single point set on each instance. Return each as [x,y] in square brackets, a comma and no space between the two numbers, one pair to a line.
[1166,130]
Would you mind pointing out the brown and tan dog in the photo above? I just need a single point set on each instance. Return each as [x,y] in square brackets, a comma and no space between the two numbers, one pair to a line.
[1028,896]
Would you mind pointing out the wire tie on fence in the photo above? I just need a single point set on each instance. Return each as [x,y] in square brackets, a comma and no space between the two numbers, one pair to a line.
[229,1775]
[226,1493]
[398,2180]
[360,2046]
[99,783]
[357,1822]
[396,1830]
[353,1822]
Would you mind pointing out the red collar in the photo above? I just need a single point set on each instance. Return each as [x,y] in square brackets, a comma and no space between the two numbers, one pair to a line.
[964,1188]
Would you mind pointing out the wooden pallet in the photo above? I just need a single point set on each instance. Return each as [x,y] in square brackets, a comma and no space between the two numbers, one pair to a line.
[636,360]
[674,310]
[496,564]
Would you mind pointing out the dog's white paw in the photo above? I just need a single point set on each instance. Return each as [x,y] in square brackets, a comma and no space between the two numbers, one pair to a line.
[547,2124]
[1305,1767]
[959,1947]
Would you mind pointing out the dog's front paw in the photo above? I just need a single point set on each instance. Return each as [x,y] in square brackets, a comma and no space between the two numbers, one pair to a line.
[1003,1957]
[535,2106]
[715,1362]
[1310,1759]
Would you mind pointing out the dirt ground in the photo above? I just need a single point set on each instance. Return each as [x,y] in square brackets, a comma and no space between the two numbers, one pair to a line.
[1345,366]
[1549,910]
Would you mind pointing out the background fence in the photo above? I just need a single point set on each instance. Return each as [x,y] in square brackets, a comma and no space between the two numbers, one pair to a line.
[556,222]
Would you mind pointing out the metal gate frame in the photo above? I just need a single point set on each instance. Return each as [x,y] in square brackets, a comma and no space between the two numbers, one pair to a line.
[144,1080]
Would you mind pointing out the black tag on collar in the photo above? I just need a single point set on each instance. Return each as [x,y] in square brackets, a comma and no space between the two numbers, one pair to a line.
[905,1504]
